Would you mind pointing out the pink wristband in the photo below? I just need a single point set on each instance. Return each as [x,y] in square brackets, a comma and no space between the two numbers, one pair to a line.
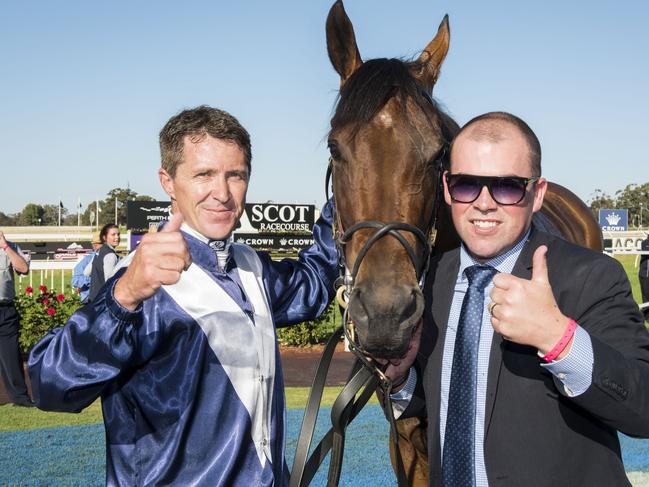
[562,343]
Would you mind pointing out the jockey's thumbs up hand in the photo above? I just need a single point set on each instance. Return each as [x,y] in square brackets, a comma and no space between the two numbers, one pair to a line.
[159,260]
[173,225]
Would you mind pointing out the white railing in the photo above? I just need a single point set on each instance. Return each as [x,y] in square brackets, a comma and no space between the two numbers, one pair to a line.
[50,273]
[44,234]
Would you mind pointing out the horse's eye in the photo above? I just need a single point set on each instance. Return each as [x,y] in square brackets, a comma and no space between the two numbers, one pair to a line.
[334,150]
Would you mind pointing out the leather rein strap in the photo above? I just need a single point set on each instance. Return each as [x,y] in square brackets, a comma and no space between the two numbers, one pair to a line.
[365,376]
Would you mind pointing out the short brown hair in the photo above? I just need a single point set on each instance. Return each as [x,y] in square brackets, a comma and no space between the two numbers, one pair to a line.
[197,123]
[489,126]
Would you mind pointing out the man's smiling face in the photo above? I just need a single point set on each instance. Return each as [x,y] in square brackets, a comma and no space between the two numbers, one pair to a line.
[487,228]
[209,185]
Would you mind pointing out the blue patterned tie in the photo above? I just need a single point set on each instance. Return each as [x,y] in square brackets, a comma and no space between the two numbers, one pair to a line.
[458,462]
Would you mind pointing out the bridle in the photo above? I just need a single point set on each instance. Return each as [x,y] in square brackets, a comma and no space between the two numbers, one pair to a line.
[342,237]
[366,375]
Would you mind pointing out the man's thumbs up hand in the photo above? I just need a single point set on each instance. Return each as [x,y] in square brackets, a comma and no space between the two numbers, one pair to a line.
[525,311]
[540,266]
[160,259]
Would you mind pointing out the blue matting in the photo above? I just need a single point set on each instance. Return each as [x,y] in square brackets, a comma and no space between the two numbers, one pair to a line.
[75,455]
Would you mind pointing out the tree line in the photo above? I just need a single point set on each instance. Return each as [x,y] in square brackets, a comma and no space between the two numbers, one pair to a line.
[35,214]
[634,197]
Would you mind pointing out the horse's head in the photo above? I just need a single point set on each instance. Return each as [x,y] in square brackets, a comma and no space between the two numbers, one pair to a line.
[387,140]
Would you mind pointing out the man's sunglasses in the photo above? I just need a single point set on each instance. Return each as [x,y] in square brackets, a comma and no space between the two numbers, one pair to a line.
[505,190]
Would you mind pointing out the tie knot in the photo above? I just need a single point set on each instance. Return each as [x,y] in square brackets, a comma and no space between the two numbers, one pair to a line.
[217,245]
[221,249]
[479,276]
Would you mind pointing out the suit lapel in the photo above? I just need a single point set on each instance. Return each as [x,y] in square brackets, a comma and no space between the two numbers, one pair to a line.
[443,289]
[522,269]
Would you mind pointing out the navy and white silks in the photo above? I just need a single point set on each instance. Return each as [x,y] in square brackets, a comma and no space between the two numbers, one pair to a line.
[191,382]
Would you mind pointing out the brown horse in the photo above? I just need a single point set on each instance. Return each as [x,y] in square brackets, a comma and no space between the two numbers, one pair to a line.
[389,145]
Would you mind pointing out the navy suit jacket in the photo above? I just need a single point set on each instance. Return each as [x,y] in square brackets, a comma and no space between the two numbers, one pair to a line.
[534,434]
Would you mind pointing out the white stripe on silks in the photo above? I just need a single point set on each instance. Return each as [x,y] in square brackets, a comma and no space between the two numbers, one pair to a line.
[251,272]
[246,350]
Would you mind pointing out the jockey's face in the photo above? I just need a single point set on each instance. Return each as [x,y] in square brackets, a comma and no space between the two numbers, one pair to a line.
[489,229]
[210,186]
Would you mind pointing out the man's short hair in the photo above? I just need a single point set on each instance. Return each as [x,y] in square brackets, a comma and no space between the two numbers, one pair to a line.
[491,126]
[197,123]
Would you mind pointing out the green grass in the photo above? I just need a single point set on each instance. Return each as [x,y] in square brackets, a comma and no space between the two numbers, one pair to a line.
[20,285]
[296,397]
[14,418]
[629,264]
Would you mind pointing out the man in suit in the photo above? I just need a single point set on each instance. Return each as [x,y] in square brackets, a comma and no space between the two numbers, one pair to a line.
[643,275]
[526,377]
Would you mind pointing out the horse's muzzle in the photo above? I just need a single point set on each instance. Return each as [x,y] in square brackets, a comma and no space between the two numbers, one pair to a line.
[385,317]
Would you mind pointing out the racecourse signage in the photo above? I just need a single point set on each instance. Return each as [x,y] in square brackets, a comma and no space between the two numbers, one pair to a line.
[280,218]
[57,250]
[144,215]
[271,241]
[613,220]
[264,226]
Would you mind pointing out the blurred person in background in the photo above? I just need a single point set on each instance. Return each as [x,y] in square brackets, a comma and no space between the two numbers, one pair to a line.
[103,265]
[81,272]
[11,365]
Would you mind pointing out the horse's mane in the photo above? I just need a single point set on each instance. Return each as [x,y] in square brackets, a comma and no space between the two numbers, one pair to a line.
[373,84]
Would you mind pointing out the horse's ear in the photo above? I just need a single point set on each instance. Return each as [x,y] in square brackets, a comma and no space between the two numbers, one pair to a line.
[341,42]
[432,57]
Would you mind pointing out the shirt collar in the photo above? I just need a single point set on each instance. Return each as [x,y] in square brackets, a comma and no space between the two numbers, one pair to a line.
[222,256]
[187,229]
[502,263]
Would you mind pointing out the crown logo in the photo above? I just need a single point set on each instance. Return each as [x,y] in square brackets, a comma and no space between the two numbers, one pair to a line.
[613,219]
[283,241]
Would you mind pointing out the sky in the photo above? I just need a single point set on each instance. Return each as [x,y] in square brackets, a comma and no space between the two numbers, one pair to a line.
[85,87]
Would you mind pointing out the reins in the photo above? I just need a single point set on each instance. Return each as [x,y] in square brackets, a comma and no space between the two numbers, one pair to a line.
[366,375]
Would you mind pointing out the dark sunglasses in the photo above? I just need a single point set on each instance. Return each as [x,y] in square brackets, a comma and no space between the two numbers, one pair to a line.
[505,190]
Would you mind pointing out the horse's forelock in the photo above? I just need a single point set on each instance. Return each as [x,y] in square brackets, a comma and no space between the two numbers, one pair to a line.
[372,85]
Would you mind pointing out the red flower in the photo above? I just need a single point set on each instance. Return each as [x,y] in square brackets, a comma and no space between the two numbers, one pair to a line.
[29,290]
[46,301]
[51,311]
[60,298]
[78,290]
[42,289]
